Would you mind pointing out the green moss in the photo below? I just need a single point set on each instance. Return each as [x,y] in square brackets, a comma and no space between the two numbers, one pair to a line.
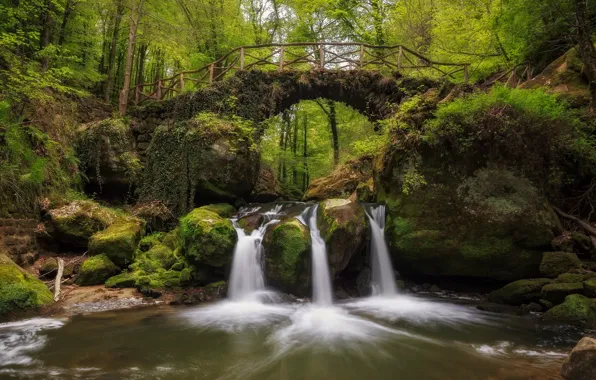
[207,238]
[96,270]
[487,247]
[576,310]
[556,292]
[570,278]
[224,210]
[519,292]
[158,257]
[590,287]
[556,263]
[122,280]
[119,241]
[159,280]
[148,241]
[18,289]
[215,285]
[287,254]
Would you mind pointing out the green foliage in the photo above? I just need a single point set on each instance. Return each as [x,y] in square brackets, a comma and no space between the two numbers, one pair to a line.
[34,167]
[96,270]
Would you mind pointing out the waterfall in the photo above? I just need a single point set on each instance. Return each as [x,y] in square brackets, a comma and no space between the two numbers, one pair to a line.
[383,279]
[246,278]
[321,281]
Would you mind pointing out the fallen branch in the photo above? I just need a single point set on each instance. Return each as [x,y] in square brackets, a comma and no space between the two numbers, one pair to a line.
[58,279]
[590,230]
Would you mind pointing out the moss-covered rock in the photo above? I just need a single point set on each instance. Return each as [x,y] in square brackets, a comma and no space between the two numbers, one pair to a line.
[576,310]
[590,287]
[203,159]
[122,280]
[569,278]
[574,242]
[519,292]
[287,257]
[73,224]
[119,241]
[156,214]
[49,268]
[207,238]
[267,188]
[556,263]
[344,228]
[556,292]
[106,150]
[342,182]
[18,289]
[492,224]
[96,270]
[157,257]
[250,222]
[224,210]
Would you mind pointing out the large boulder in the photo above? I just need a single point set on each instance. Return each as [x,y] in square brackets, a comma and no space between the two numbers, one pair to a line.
[72,225]
[491,224]
[519,292]
[267,188]
[199,161]
[18,289]
[107,155]
[207,238]
[576,310]
[287,257]
[581,362]
[556,292]
[342,182]
[556,263]
[344,228]
[96,270]
[119,241]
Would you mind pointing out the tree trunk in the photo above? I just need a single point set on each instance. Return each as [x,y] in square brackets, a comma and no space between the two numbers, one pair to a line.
[46,34]
[305,177]
[281,146]
[68,8]
[135,15]
[587,52]
[113,46]
[295,149]
[141,64]
[333,125]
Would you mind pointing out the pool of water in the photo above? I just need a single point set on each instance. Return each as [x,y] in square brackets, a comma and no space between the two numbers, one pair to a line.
[378,338]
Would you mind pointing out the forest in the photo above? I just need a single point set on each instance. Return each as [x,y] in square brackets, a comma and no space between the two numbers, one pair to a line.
[291,189]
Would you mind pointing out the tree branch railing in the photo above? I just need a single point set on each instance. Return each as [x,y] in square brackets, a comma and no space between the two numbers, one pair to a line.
[305,56]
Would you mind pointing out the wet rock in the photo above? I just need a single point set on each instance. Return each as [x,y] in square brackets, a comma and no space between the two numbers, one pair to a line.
[287,257]
[96,270]
[434,289]
[207,238]
[556,263]
[556,292]
[581,363]
[18,289]
[363,282]
[250,222]
[344,228]
[519,292]
[576,310]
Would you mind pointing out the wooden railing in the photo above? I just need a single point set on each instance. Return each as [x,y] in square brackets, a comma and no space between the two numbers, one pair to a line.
[299,56]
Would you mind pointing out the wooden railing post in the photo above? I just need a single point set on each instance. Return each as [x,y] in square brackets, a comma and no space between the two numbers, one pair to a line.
[400,54]
[361,56]
[466,74]
[211,72]
[529,71]
[321,57]
[281,58]
[242,58]
[158,91]
[182,82]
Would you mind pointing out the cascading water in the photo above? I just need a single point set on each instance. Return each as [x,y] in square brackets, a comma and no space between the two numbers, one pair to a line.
[383,279]
[321,280]
[246,277]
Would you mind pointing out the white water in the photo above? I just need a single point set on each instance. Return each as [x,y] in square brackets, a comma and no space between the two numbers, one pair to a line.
[321,281]
[383,278]
[246,277]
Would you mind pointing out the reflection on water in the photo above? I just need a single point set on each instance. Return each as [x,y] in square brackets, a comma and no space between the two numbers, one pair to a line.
[378,338]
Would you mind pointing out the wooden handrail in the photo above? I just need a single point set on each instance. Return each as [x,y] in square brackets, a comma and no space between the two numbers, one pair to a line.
[386,56]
